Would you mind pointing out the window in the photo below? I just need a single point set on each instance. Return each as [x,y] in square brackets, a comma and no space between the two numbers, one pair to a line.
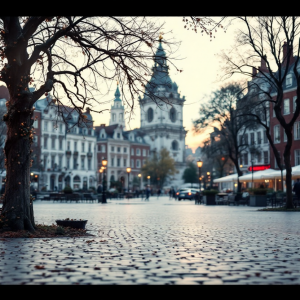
[45,142]
[266,157]
[52,162]
[89,164]
[112,148]
[125,150]
[60,128]
[82,147]
[35,124]
[119,149]
[286,106]
[246,158]
[35,140]
[132,163]
[118,135]
[68,163]
[289,80]
[294,103]
[173,114]
[138,163]
[246,138]
[241,140]
[144,161]
[144,152]
[53,143]
[45,161]
[118,162]
[124,162]
[138,151]
[45,125]
[114,117]
[276,134]
[252,138]
[120,117]
[265,137]
[54,126]
[112,162]
[102,148]
[60,161]
[68,145]
[75,163]
[150,114]
[82,163]
[60,144]
[259,137]
[259,157]
[90,147]
[284,136]
[132,151]
[241,160]
[297,131]
[75,146]
[297,157]
[274,114]
[175,145]
[102,136]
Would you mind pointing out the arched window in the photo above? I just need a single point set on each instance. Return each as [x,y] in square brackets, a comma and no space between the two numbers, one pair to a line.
[150,115]
[174,145]
[173,114]
[112,178]
[76,178]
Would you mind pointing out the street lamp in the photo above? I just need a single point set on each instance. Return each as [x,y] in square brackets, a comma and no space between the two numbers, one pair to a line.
[140,176]
[104,164]
[128,172]
[100,175]
[199,164]
[252,161]
[208,177]
[148,177]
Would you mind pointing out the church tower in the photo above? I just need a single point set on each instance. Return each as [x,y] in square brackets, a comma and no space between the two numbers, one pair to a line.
[117,110]
[162,117]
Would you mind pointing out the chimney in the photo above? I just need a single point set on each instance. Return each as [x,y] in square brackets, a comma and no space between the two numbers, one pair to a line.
[287,53]
[263,65]
[254,72]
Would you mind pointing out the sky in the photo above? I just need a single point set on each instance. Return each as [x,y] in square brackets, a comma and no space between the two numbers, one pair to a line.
[200,65]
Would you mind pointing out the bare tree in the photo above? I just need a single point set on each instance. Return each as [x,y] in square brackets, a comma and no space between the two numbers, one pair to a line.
[222,114]
[75,58]
[271,42]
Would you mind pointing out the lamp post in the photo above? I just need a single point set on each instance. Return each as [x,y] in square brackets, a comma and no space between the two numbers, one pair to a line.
[252,172]
[208,177]
[148,177]
[199,164]
[140,177]
[128,172]
[104,164]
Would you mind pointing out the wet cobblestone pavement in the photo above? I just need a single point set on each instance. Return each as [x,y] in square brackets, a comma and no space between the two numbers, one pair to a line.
[158,242]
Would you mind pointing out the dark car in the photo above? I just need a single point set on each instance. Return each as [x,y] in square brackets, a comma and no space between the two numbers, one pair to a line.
[189,194]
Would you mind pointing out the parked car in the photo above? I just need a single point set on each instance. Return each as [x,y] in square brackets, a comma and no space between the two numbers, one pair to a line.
[189,194]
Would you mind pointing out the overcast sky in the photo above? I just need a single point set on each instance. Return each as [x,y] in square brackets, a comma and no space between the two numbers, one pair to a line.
[200,65]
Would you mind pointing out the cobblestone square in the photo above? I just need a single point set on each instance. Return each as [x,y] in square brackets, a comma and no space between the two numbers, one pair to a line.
[161,241]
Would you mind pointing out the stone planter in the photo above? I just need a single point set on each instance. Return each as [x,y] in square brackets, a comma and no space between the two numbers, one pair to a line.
[258,200]
[79,224]
[209,199]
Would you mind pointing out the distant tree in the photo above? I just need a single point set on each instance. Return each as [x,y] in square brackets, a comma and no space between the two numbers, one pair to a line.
[221,114]
[190,174]
[159,167]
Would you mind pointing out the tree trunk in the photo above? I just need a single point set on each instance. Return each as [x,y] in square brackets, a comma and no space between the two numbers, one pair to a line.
[288,180]
[17,211]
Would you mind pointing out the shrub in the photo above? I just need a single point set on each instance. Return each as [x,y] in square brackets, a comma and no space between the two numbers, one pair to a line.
[68,190]
[210,192]
[258,191]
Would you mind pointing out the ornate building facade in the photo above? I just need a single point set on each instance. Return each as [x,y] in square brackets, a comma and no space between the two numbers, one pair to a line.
[162,117]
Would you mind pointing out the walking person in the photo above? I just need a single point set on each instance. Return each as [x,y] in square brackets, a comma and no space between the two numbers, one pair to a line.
[158,193]
[296,189]
[147,193]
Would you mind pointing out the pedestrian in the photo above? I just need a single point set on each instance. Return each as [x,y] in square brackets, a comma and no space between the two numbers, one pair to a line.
[296,189]
[170,193]
[147,193]
[158,193]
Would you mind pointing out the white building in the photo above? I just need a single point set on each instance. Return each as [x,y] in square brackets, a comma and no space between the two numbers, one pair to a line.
[162,119]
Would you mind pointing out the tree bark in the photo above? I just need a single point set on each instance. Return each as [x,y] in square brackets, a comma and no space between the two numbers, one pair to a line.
[17,211]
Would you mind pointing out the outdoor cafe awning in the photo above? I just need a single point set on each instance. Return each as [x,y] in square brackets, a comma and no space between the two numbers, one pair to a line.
[257,176]
[276,174]
[229,178]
